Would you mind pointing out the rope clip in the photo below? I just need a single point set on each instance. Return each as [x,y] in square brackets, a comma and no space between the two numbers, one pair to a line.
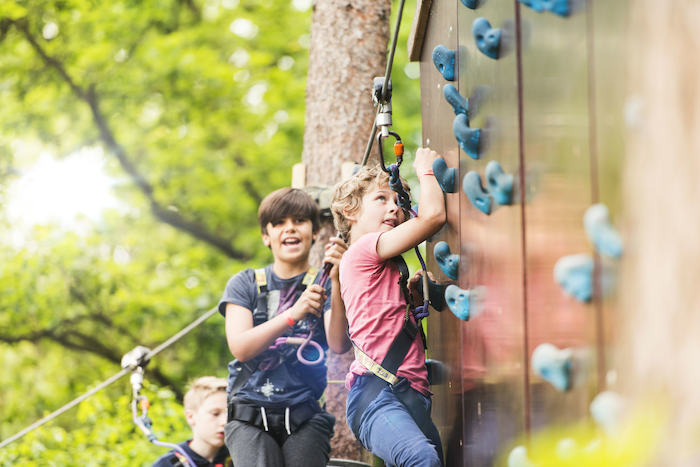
[135,360]
[136,357]
[382,98]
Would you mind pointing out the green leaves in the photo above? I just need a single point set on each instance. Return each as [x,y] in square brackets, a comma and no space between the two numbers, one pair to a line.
[103,433]
[12,10]
[199,108]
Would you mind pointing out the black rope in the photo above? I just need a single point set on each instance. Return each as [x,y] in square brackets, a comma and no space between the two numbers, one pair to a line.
[387,75]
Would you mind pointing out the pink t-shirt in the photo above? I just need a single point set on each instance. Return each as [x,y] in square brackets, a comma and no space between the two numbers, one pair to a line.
[375,309]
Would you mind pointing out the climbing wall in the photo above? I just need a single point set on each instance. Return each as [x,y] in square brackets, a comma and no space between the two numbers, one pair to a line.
[536,143]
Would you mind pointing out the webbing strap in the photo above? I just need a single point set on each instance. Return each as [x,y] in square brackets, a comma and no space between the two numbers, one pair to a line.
[394,357]
[373,366]
[260,279]
[309,277]
[403,340]
[260,313]
[403,280]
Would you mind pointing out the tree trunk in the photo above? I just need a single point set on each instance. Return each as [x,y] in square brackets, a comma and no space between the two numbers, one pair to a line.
[348,48]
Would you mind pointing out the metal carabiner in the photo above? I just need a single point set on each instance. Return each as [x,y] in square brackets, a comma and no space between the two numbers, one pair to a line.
[398,149]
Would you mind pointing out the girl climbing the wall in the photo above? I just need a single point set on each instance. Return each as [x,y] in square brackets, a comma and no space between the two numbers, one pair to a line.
[388,407]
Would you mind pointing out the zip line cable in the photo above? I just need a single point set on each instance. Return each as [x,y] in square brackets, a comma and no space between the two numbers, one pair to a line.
[63,409]
[387,75]
[108,381]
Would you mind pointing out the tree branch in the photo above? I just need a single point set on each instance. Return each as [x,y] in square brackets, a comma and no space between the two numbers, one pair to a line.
[91,345]
[193,9]
[161,212]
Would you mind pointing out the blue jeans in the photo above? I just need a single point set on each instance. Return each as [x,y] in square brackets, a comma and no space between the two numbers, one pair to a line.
[396,425]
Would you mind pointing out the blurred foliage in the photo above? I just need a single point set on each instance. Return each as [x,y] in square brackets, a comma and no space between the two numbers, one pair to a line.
[633,443]
[107,436]
[199,107]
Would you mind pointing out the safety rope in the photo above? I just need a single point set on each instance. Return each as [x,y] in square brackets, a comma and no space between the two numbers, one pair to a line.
[382,99]
[108,381]
[387,76]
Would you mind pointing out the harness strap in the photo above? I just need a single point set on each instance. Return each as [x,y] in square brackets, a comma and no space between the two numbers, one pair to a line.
[309,277]
[403,281]
[386,370]
[260,314]
[373,366]
[402,342]
[394,357]
[287,419]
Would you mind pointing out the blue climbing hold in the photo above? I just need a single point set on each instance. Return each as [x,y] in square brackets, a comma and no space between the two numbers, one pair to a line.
[473,4]
[574,273]
[448,262]
[605,239]
[553,365]
[559,7]
[488,39]
[446,176]
[459,103]
[469,139]
[444,60]
[459,301]
[499,183]
[471,184]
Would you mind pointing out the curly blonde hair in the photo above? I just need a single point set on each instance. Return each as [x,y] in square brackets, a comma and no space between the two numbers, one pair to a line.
[348,194]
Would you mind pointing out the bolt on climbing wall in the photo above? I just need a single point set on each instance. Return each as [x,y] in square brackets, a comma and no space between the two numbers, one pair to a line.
[524,101]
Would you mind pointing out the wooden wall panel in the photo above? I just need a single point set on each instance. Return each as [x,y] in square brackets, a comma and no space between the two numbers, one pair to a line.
[608,21]
[491,250]
[556,145]
[444,343]
[569,103]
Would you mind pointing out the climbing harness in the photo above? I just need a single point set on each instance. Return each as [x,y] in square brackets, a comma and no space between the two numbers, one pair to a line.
[276,420]
[135,360]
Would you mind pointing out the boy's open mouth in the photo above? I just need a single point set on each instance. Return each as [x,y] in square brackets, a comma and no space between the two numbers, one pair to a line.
[291,241]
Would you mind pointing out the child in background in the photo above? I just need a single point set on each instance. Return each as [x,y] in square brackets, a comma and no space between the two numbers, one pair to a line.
[205,411]
[388,413]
